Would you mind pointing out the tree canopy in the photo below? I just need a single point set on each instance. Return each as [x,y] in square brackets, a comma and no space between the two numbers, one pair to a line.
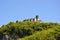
[23,29]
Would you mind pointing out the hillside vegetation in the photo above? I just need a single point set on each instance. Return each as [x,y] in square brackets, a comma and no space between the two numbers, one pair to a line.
[49,34]
[31,30]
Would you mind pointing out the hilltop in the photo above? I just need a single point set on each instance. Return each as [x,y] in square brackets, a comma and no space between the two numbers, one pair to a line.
[30,30]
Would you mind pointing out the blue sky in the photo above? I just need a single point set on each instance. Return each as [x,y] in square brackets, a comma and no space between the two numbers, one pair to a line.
[12,10]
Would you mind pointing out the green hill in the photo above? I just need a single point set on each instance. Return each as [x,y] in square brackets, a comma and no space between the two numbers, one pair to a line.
[30,31]
[49,34]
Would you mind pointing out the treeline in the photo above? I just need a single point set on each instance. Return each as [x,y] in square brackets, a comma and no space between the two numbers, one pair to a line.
[22,29]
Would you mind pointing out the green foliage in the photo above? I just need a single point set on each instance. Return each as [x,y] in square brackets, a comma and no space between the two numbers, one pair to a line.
[49,34]
[24,29]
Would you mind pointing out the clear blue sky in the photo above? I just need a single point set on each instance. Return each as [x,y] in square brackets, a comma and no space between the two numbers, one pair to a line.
[12,10]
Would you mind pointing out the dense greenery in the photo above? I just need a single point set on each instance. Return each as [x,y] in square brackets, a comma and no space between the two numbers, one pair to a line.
[32,30]
[49,34]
